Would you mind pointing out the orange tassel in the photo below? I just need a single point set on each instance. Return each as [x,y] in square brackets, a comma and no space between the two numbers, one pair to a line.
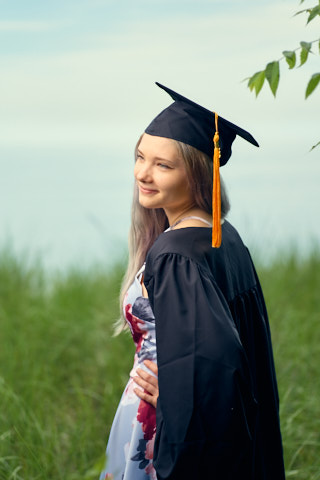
[216,193]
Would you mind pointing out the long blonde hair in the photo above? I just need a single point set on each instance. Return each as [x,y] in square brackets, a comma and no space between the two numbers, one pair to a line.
[147,224]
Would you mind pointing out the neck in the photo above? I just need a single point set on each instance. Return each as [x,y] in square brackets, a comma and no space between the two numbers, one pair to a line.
[174,217]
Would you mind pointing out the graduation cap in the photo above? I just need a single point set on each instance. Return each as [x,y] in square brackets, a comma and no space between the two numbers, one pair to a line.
[190,123]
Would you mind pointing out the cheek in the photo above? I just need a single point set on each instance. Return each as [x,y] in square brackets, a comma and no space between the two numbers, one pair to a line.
[183,186]
[180,189]
[135,170]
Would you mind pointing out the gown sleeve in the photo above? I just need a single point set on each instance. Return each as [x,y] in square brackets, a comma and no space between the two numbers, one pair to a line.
[206,411]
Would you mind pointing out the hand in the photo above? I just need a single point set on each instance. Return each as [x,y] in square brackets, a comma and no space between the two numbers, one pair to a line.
[148,382]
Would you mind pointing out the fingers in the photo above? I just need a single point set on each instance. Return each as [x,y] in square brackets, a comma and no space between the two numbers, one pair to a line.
[152,366]
[146,381]
[146,397]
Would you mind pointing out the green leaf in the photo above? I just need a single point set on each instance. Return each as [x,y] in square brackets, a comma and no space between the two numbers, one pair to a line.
[314,146]
[290,57]
[301,11]
[306,45]
[313,13]
[313,83]
[273,76]
[303,56]
[305,49]
[256,81]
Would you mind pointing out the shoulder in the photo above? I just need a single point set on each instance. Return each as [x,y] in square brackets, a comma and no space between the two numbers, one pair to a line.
[229,266]
[174,249]
[195,243]
[189,243]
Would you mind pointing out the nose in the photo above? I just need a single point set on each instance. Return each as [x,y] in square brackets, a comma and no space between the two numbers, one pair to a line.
[142,172]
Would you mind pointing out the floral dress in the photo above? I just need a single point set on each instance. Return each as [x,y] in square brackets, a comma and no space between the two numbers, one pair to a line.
[130,447]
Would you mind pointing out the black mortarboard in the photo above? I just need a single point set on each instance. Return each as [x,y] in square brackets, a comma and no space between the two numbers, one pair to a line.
[188,122]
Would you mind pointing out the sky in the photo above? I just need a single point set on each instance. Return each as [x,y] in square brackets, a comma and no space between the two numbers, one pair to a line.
[77,90]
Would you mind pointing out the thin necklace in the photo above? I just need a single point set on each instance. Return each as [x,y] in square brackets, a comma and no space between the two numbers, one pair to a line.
[188,218]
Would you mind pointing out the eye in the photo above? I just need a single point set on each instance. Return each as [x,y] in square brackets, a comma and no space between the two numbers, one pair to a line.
[164,166]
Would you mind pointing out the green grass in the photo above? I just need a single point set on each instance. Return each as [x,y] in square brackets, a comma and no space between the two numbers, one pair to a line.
[292,289]
[62,373]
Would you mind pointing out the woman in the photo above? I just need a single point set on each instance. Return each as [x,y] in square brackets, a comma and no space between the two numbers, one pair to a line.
[202,398]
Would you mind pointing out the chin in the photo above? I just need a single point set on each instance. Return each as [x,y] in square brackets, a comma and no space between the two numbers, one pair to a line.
[148,203]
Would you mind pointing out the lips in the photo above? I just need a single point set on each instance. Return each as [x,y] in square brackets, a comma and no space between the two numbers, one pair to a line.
[146,191]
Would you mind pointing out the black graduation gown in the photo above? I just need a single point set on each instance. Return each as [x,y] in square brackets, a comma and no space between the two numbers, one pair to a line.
[218,406]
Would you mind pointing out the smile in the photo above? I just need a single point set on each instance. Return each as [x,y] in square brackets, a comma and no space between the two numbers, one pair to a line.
[146,191]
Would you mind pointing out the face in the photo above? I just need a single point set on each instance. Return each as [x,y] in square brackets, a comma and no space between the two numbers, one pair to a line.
[161,175]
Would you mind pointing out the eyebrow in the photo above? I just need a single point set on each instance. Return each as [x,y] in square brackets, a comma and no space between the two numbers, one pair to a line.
[157,158]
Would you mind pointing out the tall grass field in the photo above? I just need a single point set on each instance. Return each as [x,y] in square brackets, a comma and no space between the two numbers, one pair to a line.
[62,373]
